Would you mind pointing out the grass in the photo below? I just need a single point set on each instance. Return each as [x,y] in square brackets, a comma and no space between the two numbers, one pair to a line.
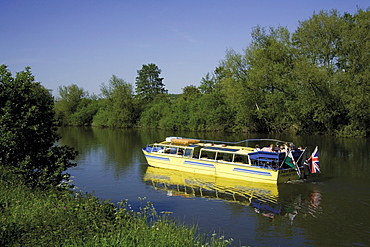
[62,218]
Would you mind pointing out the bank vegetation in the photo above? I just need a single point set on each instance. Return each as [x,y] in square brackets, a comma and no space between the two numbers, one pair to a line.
[315,80]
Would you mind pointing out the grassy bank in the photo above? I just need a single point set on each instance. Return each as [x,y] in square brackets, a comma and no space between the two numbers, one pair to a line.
[60,218]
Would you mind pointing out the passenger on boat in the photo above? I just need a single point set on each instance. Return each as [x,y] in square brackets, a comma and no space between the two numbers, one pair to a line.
[277,148]
[285,148]
[268,149]
[257,148]
[292,146]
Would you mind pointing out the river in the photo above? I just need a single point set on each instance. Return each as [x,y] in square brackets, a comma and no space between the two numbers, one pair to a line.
[328,209]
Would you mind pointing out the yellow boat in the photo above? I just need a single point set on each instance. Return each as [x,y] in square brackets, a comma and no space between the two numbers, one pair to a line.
[229,159]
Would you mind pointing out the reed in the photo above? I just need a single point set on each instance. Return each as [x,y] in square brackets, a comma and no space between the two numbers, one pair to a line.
[64,218]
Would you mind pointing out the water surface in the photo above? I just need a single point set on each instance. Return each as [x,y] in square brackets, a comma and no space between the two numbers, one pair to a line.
[329,209]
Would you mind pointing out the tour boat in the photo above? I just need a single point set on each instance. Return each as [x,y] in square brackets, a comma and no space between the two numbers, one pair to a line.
[281,162]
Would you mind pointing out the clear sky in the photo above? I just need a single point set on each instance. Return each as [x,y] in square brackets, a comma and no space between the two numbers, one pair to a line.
[85,42]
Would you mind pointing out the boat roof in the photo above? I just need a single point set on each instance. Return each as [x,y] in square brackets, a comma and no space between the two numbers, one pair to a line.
[203,142]
[216,146]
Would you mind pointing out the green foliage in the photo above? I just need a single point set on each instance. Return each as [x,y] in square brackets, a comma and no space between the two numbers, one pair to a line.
[28,131]
[314,80]
[118,108]
[354,73]
[68,103]
[85,112]
[151,116]
[148,83]
[208,84]
[55,218]
[214,113]
[319,38]
[270,63]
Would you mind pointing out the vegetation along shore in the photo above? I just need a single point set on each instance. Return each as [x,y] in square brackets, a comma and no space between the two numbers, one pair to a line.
[314,80]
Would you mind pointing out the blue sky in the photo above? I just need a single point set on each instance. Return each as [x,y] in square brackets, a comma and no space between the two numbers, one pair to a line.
[86,42]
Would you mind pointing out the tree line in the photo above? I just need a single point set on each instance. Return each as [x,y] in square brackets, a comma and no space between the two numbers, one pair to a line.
[313,80]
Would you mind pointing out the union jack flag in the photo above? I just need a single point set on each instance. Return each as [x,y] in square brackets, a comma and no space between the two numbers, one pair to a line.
[313,161]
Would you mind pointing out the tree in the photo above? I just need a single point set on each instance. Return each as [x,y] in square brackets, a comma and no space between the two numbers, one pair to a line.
[354,72]
[318,41]
[270,63]
[190,92]
[152,115]
[148,83]
[28,132]
[68,102]
[85,112]
[118,107]
[208,84]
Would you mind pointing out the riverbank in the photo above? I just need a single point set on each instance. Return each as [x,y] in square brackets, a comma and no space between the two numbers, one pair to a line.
[61,218]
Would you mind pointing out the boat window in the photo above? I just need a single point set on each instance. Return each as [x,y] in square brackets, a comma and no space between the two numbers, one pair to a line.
[241,159]
[207,155]
[196,152]
[158,149]
[225,156]
[187,152]
[170,150]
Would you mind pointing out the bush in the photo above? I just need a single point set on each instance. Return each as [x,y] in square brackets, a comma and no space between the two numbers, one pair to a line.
[28,132]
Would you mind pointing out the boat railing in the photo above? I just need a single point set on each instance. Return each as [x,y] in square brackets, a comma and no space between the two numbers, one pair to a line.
[245,141]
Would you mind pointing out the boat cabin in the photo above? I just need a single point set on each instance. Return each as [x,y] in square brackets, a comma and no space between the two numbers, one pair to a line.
[189,148]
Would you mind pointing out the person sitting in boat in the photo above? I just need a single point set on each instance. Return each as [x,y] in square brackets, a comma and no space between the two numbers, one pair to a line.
[292,146]
[277,148]
[285,148]
[257,148]
[268,149]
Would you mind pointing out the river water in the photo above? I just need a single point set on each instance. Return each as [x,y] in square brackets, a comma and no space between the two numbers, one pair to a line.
[328,209]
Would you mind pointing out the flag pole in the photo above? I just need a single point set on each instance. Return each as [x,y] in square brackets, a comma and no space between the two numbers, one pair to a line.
[282,163]
[304,150]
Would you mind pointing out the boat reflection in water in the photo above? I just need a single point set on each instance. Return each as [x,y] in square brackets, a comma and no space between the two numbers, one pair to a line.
[263,197]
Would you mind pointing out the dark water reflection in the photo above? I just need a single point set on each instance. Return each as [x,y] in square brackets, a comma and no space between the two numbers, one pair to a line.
[329,209]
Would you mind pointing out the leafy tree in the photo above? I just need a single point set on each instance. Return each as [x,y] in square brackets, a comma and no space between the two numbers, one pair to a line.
[240,94]
[85,112]
[68,102]
[148,83]
[319,38]
[190,92]
[151,116]
[208,84]
[353,75]
[318,42]
[118,108]
[215,113]
[28,132]
[270,63]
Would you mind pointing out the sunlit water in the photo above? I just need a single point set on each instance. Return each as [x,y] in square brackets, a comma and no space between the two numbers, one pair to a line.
[329,209]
